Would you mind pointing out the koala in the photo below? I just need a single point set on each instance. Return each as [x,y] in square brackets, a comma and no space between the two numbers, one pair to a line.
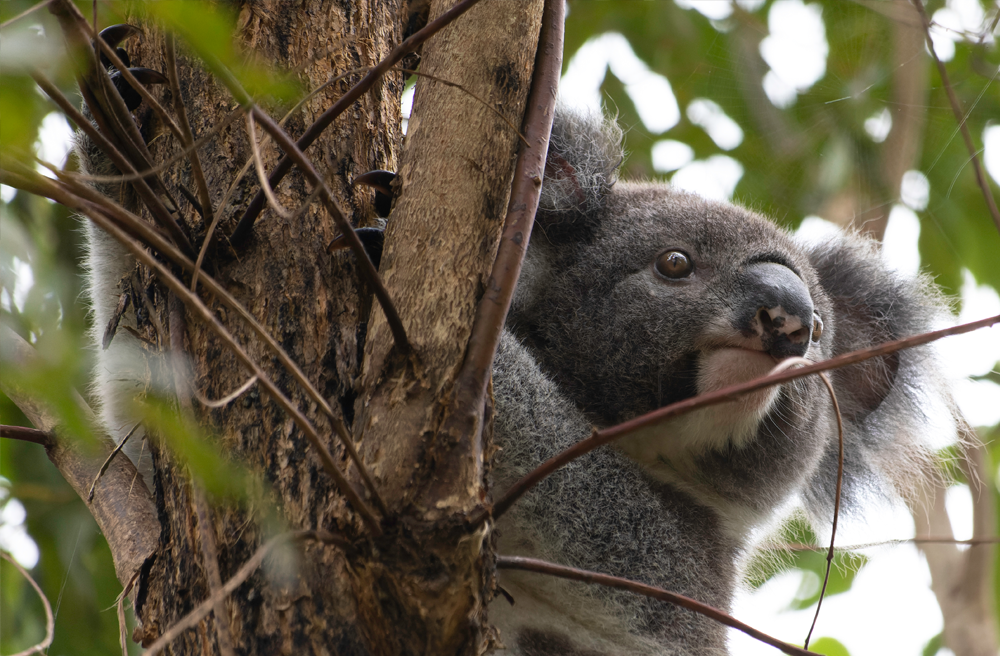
[634,296]
[127,362]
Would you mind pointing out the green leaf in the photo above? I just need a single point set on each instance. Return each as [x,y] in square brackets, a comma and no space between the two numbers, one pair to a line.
[829,647]
[209,28]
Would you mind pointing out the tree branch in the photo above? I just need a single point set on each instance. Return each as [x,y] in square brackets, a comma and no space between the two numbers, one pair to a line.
[573,574]
[121,504]
[608,435]
[243,228]
[956,108]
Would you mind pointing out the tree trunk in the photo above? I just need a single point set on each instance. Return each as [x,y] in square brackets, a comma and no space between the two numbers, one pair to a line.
[422,586]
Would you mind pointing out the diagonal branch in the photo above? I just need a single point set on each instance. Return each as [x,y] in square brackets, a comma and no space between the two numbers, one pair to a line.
[50,620]
[196,304]
[991,204]
[121,505]
[585,576]
[249,567]
[608,435]
[85,199]
[186,136]
[243,228]
[309,171]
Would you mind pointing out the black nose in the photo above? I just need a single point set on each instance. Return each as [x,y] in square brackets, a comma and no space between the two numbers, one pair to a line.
[775,306]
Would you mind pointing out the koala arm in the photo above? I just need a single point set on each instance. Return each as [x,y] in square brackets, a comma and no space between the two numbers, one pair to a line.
[601,513]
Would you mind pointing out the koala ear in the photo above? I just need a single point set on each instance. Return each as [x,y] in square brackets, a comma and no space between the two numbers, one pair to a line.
[886,402]
[585,151]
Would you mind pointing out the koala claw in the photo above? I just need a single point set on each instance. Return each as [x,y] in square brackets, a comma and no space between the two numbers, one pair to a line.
[371,238]
[113,36]
[381,181]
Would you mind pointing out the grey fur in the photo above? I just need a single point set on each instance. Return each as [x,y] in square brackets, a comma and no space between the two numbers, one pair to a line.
[596,337]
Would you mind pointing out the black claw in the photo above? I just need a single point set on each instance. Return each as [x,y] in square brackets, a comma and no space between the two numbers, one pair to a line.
[371,238]
[381,181]
[145,76]
[114,35]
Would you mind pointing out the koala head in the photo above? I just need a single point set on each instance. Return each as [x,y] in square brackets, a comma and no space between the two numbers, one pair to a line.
[636,295]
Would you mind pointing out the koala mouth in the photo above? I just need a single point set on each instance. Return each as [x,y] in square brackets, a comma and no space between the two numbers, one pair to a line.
[730,365]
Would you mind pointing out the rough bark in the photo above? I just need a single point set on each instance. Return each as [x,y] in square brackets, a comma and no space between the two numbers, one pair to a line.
[421,585]
[310,301]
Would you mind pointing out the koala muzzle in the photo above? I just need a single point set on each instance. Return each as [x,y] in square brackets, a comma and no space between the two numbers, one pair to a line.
[775,306]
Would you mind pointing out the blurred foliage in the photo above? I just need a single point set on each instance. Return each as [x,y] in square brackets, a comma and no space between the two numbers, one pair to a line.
[797,162]
[796,550]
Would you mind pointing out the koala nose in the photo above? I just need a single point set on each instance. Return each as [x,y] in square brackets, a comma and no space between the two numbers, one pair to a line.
[777,308]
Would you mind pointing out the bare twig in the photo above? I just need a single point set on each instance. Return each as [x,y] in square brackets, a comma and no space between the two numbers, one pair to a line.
[50,621]
[113,117]
[248,568]
[210,560]
[368,269]
[24,13]
[957,109]
[227,399]
[173,159]
[186,136]
[139,183]
[482,102]
[196,304]
[602,437]
[309,171]
[245,225]
[86,200]
[25,434]
[278,208]
[573,574]
[107,461]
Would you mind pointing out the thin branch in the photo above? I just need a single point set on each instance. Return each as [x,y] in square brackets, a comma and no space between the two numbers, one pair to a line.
[206,531]
[258,163]
[210,560]
[123,70]
[186,135]
[574,574]
[292,150]
[107,461]
[196,304]
[608,435]
[368,269]
[111,115]
[455,85]
[248,568]
[244,227]
[50,621]
[25,434]
[86,200]
[836,503]
[956,108]
[173,159]
[98,136]
[227,399]
[24,13]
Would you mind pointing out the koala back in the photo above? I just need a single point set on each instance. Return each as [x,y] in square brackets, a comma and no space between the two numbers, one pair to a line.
[636,295]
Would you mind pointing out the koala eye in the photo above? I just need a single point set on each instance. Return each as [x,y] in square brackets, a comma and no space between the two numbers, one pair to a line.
[673,265]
